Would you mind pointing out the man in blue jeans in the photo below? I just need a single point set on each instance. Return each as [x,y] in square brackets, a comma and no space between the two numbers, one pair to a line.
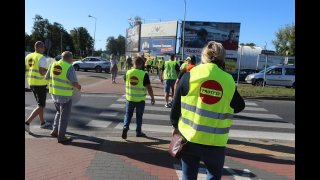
[137,81]
[169,73]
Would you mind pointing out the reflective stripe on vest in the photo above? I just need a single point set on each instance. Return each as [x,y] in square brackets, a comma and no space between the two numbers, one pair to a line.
[205,111]
[135,91]
[59,83]
[170,70]
[34,77]
[206,129]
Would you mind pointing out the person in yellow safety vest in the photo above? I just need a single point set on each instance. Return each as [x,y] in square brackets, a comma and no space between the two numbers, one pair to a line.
[184,65]
[62,81]
[137,82]
[36,68]
[160,64]
[148,64]
[169,73]
[205,101]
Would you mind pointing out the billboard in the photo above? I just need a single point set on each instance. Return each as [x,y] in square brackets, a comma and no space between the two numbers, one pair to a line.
[132,39]
[162,29]
[155,46]
[197,34]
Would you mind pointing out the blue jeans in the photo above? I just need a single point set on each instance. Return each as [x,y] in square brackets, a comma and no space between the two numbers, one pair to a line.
[212,156]
[129,113]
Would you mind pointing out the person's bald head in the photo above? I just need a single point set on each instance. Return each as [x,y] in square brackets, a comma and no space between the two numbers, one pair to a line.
[67,56]
[39,47]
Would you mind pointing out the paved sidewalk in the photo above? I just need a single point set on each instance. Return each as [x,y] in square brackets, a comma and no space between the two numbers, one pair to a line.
[96,155]
[110,157]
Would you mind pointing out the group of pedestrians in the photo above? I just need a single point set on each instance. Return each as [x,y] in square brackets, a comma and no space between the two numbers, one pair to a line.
[203,102]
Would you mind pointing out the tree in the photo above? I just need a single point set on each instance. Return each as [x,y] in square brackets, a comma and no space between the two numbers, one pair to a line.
[83,42]
[40,29]
[116,46]
[137,21]
[285,40]
[27,43]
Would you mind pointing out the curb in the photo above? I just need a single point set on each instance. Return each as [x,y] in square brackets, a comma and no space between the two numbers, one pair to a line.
[271,98]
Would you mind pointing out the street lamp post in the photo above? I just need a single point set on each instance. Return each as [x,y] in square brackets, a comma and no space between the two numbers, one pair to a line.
[94,36]
[184,21]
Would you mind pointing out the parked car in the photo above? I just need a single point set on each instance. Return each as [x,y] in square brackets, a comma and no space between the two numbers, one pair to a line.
[281,75]
[93,63]
[242,74]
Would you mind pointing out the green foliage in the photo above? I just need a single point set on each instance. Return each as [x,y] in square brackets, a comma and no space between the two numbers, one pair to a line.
[285,40]
[116,46]
[83,42]
[248,90]
[60,39]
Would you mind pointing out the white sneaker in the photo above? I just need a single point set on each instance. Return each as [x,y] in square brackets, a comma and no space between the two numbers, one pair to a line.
[27,128]
[46,125]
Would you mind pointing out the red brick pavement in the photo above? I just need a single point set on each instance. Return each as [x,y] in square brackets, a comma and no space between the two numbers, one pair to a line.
[286,170]
[45,158]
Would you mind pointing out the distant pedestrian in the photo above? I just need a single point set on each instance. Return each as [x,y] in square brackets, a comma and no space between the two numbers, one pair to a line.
[122,61]
[205,101]
[62,80]
[190,63]
[169,74]
[128,63]
[113,68]
[137,82]
[36,68]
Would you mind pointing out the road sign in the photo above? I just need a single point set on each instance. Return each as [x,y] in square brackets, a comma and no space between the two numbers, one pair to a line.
[268,52]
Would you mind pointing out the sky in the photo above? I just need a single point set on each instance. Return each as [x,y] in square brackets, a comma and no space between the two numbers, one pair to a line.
[260,19]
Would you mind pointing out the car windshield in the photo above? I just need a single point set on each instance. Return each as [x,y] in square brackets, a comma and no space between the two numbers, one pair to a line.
[267,69]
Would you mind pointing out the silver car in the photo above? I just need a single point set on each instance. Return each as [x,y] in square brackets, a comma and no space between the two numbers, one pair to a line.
[92,63]
[282,75]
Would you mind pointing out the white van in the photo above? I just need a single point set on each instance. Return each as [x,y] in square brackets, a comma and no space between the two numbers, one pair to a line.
[281,75]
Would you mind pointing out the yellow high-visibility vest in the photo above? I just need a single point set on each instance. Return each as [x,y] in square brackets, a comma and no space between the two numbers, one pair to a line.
[170,70]
[205,111]
[135,91]
[34,77]
[59,84]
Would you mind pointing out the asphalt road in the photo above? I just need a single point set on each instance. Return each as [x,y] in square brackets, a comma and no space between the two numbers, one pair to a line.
[102,112]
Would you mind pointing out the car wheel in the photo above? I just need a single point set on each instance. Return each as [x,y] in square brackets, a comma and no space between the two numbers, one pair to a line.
[107,70]
[259,82]
[294,85]
[98,69]
[76,67]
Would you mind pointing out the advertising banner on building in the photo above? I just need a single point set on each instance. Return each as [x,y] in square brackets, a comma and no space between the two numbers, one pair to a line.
[155,46]
[132,39]
[198,34]
[162,29]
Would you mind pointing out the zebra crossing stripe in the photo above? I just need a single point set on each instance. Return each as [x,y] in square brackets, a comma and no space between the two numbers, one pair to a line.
[254,109]
[235,175]
[147,101]
[99,95]
[108,114]
[261,135]
[98,124]
[258,115]
[150,108]
[148,97]
[148,127]
[263,124]
[250,103]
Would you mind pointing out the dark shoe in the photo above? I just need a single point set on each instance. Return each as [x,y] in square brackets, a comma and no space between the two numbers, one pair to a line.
[64,139]
[54,133]
[124,133]
[141,134]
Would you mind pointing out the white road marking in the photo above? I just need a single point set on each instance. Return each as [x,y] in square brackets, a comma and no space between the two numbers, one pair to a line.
[98,123]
